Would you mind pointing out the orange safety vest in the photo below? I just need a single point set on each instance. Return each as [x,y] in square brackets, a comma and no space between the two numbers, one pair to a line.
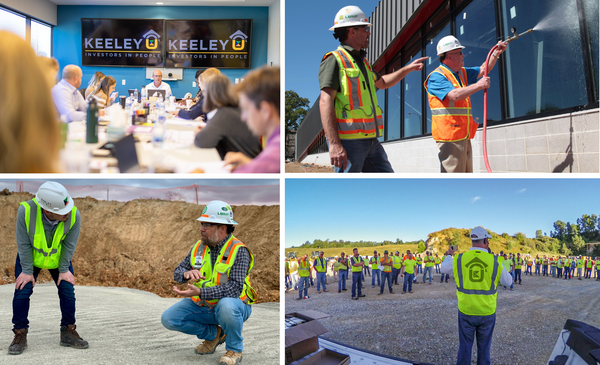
[451,121]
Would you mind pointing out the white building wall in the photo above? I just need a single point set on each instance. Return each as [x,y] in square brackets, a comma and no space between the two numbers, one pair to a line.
[274,42]
[562,143]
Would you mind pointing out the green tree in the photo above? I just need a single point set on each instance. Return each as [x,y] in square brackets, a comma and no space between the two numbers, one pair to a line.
[296,109]
[421,247]
[538,234]
[521,237]
[578,246]
[560,230]
[564,250]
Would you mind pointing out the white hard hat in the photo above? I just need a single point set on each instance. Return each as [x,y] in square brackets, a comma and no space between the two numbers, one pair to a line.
[479,233]
[350,16]
[53,197]
[448,43]
[217,212]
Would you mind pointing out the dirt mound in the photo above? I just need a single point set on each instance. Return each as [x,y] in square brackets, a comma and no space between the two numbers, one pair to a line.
[138,244]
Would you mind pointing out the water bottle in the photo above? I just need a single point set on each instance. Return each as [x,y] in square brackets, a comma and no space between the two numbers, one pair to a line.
[135,95]
[92,123]
[158,133]
[144,93]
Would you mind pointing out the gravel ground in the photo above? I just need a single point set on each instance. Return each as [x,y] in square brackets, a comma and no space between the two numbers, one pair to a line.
[422,326]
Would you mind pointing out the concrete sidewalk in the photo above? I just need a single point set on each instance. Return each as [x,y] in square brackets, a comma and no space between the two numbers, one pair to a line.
[123,326]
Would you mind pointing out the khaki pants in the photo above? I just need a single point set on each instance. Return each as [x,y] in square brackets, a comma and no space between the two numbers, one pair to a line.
[456,156]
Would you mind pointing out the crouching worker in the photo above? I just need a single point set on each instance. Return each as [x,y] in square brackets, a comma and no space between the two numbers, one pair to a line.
[47,234]
[219,300]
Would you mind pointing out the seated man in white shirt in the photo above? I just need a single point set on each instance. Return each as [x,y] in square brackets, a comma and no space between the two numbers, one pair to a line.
[158,84]
[66,96]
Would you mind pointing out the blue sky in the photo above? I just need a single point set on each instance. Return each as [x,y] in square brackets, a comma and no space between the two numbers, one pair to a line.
[308,38]
[410,209]
[233,191]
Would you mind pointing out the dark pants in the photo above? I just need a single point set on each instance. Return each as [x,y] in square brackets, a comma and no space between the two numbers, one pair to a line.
[356,284]
[343,275]
[367,269]
[303,282]
[386,276]
[537,269]
[395,275]
[517,275]
[545,270]
[588,273]
[288,282]
[528,270]
[365,155]
[559,275]
[468,327]
[447,277]
[66,296]
[408,278]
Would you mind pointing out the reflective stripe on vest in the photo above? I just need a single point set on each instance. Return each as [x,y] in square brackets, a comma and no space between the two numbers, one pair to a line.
[476,293]
[384,261]
[320,267]
[200,259]
[46,255]
[303,269]
[356,261]
[451,121]
[374,263]
[357,111]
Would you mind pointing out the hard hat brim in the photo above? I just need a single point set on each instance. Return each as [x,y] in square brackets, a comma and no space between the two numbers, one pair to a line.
[458,47]
[218,221]
[349,25]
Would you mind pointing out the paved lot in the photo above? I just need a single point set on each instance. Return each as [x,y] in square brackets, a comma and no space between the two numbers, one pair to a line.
[123,326]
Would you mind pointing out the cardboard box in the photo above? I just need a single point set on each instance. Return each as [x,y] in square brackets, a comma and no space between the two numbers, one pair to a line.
[303,339]
[326,357]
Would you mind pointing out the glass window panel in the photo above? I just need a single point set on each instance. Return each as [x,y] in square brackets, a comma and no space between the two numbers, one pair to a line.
[13,23]
[476,30]
[545,68]
[591,18]
[433,62]
[41,39]
[393,107]
[413,90]
[438,17]
[381,102]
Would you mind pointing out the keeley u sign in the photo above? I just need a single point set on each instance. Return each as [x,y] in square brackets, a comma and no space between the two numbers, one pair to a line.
[223,43]
[122,42]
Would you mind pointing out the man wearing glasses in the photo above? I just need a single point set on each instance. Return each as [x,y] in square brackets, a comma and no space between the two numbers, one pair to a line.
[218,300]
[449,88]
[158,84]
[352,119]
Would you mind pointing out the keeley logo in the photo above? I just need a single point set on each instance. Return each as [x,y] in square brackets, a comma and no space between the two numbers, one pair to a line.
[238,43]
[66,201]
[151,38]
[239,40]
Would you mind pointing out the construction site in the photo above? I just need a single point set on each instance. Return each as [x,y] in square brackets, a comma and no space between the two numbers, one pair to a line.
[132,248]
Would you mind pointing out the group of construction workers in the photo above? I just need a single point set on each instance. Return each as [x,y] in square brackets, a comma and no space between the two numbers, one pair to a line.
[380,268]
[567,267]
[390,267]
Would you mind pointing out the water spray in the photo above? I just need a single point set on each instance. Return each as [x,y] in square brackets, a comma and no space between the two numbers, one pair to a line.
[508,40]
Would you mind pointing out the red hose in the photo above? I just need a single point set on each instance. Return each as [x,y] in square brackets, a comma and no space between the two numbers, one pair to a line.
[485,157]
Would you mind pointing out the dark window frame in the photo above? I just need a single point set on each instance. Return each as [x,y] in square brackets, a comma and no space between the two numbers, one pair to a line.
[28,19]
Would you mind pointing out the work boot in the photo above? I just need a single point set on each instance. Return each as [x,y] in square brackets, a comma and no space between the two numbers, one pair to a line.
[19,343]
[230,358]
[325,290]
[208,347]
[70,338]
[339,291]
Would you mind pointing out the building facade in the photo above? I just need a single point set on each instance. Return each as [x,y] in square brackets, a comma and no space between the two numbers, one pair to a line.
[543,113]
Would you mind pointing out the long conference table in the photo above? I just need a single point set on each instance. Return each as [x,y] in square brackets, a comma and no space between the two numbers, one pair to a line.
[177,154]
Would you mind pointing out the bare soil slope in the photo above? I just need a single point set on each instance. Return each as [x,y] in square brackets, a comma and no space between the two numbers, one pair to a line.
[138,244]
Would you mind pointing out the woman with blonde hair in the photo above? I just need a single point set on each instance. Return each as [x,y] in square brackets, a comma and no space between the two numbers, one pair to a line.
[102,92]
[196,110]
[224,129]
[94,82]
[29,136]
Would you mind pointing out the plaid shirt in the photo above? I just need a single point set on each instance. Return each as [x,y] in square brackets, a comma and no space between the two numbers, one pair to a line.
[233,287]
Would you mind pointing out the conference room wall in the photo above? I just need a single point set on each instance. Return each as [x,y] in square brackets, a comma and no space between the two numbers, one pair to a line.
[67,39]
